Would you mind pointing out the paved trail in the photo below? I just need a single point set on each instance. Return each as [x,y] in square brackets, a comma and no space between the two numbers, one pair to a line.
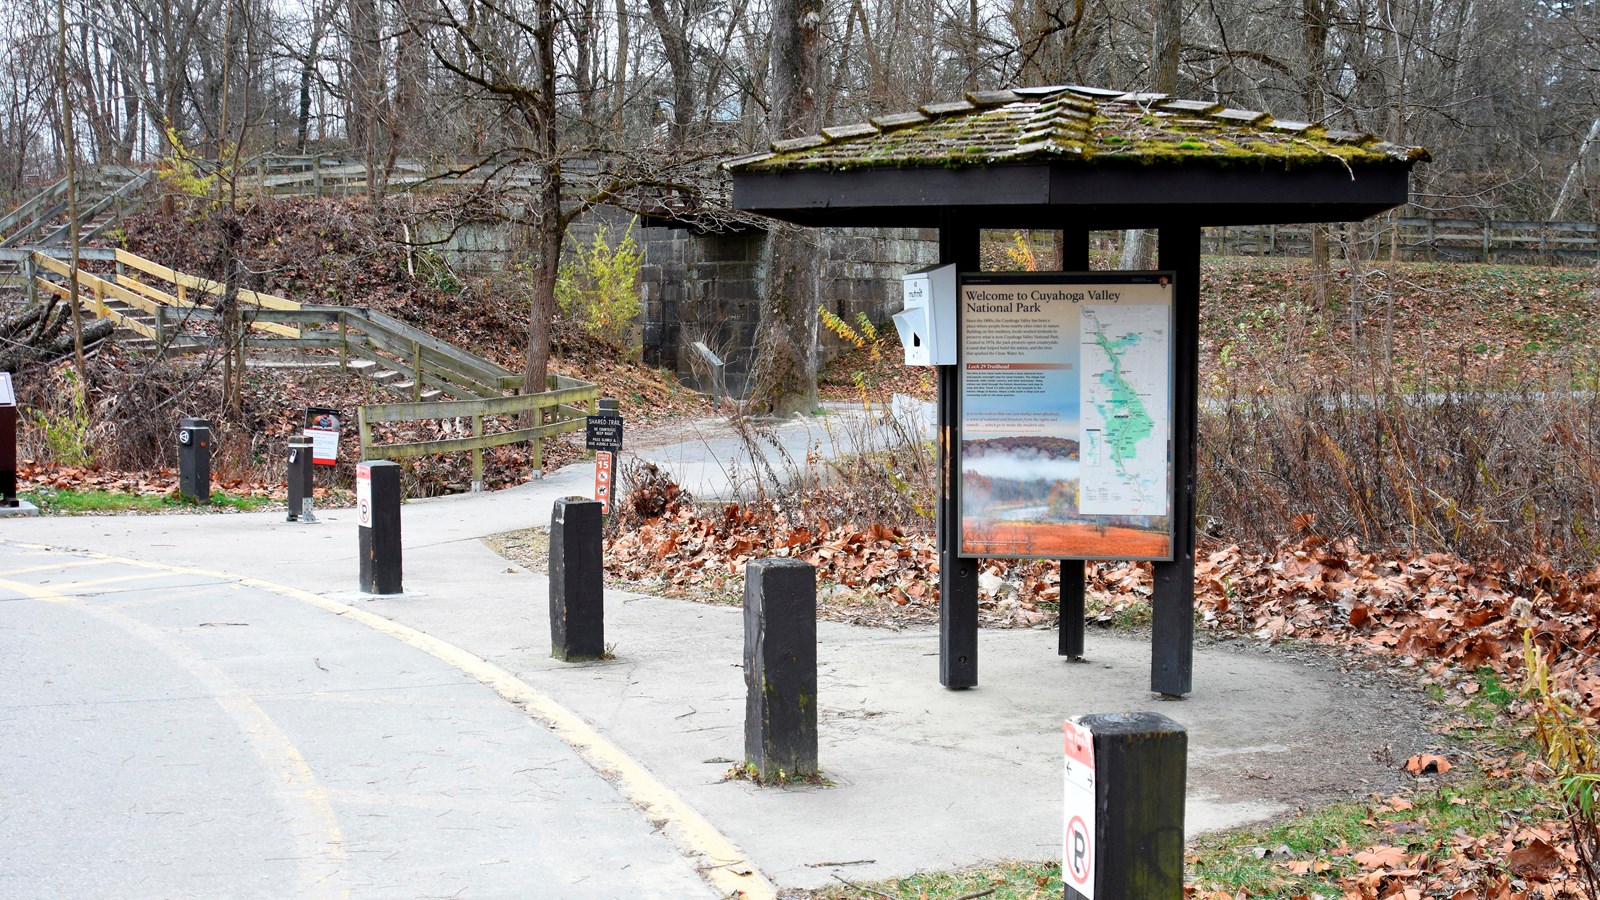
[176,735]
[210,708]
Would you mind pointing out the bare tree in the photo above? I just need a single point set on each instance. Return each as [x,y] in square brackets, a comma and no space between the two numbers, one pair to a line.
[787,367]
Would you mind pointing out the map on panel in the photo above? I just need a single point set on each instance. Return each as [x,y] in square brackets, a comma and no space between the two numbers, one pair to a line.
[1123,398]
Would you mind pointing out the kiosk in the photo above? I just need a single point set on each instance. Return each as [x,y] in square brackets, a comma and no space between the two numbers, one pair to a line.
[1075,159]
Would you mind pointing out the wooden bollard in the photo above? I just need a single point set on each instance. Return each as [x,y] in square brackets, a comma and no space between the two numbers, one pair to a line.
[378,526]
[577,581]
[1127,841]
[780,669]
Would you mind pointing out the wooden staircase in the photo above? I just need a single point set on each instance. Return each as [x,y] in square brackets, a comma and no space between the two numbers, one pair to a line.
[168,310]
[161,310]
[105,195]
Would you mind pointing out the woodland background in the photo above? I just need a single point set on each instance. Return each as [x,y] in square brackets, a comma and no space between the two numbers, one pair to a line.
[1505,93]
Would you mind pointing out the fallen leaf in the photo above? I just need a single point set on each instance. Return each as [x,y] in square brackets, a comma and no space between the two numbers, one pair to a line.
[1428,764]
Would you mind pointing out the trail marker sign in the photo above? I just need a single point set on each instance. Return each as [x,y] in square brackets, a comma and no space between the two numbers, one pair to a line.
[1078,846]
[602,480]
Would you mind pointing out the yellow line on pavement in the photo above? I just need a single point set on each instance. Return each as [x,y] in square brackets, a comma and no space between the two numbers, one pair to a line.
[118,579]
[54,567]
[716,856]
[304,800]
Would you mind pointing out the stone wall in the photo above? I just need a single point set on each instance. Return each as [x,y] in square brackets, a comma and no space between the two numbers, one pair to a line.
[708,288]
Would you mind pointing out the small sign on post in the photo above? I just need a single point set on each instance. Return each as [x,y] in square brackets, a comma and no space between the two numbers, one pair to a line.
[602,480]
[364,495]
[322,427]
[1077,856]
[603,432]
[603,435]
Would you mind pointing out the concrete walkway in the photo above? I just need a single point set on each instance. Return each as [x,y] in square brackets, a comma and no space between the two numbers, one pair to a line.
[922,777]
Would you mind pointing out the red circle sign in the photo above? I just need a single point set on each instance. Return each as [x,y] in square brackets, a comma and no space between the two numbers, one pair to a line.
[1080,851]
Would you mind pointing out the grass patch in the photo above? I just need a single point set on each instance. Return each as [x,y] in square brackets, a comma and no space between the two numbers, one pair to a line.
[1006,881]
[528,548]
[66,502]
[1324,846]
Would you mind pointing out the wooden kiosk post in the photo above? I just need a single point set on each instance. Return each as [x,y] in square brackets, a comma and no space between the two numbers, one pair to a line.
[958,577]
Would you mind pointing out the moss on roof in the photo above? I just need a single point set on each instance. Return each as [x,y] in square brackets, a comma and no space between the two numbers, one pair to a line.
[1076,124]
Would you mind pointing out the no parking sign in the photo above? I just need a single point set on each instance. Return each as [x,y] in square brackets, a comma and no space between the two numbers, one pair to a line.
[364,495]
[1078,850]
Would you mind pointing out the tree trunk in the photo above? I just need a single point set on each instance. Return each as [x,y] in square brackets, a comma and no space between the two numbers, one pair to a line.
[547,241]
[308,71]
[69,149]
[619,81]
[675,41]
[1314,16]
[1574,169]
[1165,50]
[786,362]
[549,221]
[366,89]
[230,329]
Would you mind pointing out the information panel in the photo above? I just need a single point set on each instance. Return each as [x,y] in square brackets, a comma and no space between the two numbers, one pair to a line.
[1066,415]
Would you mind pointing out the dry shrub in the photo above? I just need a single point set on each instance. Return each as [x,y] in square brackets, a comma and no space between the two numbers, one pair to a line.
[138,406]
[878,469]
[645,491]
[1482,475]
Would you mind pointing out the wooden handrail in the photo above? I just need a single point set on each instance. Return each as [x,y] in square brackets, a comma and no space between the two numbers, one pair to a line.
[11,219]
[498,406]
[135,293]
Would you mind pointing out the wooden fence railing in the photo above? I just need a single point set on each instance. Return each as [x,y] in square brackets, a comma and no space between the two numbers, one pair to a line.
[173,305]
[26,213]
[559,410]
[330,174]
[1416,237]
[382,340]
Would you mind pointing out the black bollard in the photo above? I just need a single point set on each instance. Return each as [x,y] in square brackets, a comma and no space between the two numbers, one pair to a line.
[1069,641]
[300,482]
[780,669]
[1130,843]
[378,518]
[8,457]
[194,459]
[577,581]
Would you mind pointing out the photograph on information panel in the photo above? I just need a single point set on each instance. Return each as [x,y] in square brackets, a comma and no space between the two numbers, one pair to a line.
[1066,415]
